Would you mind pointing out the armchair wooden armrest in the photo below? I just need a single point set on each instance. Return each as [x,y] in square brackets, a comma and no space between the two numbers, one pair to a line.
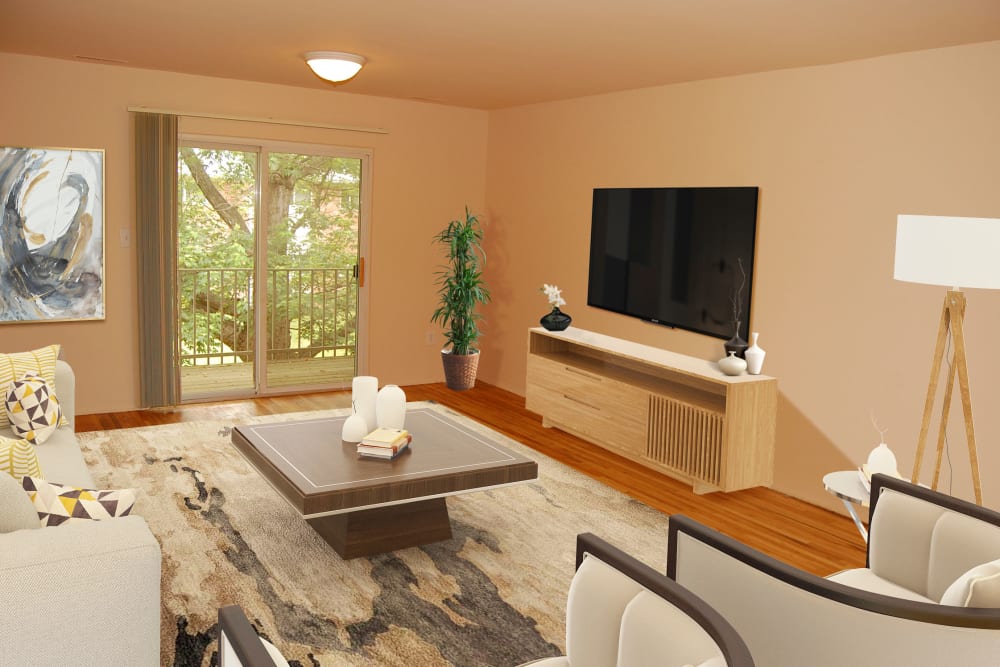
[239,645]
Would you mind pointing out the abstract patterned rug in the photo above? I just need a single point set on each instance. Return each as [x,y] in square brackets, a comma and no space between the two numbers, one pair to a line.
[494,594]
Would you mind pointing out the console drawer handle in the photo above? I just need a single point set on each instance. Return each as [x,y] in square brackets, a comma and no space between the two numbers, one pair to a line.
[585,374]
[577,400]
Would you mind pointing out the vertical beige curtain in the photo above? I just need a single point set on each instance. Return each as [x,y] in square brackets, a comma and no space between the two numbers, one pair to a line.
[156,245]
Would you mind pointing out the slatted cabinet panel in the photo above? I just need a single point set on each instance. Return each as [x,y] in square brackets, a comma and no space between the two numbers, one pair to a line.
[686,438]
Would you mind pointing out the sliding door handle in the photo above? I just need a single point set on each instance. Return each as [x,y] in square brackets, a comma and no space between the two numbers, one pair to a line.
[359,272]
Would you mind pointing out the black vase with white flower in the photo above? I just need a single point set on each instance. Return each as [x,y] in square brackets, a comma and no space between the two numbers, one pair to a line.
[556,320]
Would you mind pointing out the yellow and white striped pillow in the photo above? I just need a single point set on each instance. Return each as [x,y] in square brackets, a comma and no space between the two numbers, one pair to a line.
[18,458]
[14,366]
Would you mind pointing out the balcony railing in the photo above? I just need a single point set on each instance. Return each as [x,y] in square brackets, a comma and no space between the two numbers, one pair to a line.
[310,313]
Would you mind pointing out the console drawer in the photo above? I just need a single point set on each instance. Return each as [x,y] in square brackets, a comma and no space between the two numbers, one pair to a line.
[610,419]
[561,377]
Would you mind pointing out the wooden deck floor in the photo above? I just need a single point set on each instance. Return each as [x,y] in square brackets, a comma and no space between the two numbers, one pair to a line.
[325,372]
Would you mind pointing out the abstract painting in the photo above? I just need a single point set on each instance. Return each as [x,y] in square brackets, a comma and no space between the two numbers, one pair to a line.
[51,234]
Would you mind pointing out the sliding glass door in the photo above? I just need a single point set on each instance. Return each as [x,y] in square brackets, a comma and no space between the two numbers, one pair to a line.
[270,291]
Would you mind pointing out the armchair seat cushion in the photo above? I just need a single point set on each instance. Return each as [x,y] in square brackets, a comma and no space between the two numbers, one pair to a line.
[867,580]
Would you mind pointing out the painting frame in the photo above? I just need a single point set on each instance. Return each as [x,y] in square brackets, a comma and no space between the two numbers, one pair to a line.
[52,234]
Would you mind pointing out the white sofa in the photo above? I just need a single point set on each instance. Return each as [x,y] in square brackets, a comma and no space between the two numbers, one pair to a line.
[84,593]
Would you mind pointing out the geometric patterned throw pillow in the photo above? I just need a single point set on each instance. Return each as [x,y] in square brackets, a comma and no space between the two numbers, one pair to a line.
[18,458]
[14,365]
[32,408]
[58,504]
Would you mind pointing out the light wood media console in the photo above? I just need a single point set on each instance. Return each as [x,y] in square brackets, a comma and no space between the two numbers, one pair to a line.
[671,412]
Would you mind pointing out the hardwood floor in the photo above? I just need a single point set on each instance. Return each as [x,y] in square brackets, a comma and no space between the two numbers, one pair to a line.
[792,531]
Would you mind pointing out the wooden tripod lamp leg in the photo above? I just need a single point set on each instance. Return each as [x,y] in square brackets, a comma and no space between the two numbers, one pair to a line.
[925,424]
[962,367]
[943,426]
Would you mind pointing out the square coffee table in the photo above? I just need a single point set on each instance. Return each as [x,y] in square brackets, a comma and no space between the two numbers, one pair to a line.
[367,506]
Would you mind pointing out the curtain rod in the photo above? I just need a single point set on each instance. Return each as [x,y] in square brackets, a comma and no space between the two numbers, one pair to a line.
[256,119]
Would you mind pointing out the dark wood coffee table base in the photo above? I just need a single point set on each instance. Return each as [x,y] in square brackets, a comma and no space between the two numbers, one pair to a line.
[383,529]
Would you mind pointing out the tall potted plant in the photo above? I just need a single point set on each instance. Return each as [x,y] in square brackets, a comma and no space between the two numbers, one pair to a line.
[460,289]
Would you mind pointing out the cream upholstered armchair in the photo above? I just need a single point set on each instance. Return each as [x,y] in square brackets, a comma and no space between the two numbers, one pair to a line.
[622,612]
[929,556]
[929,547]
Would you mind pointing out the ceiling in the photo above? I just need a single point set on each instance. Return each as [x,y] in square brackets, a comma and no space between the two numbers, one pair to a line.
[489,54]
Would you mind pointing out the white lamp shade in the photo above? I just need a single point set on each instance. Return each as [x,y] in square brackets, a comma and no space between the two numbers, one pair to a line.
[334,66]
[950,251]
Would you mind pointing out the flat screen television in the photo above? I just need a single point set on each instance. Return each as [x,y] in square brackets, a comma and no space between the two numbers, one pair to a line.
[681,257]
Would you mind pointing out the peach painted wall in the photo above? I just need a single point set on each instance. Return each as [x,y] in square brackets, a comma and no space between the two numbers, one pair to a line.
[426,169]
[837,151]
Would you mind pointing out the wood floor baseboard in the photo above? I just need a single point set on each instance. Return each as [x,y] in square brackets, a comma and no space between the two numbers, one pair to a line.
[791,530]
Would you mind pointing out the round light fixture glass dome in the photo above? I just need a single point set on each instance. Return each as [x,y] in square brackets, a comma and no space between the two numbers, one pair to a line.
[334,66]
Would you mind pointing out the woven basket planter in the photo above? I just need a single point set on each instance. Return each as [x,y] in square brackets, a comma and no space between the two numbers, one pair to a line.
[460,370]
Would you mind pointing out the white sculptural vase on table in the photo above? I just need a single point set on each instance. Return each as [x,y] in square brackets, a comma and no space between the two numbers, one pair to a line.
[364,390]
[354,428]
[390,407]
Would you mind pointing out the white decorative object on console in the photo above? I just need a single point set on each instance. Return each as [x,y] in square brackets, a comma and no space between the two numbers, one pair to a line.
[754,355]
[390,407]
[364,389]
[732,365]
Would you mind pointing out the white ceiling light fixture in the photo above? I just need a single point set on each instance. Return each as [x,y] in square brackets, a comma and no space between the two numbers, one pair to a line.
[334,66]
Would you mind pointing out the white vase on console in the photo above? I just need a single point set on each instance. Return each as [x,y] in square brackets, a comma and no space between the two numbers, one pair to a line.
[732,365]
[754,356]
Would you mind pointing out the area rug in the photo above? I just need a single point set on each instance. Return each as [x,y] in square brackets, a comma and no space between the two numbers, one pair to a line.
[494,594]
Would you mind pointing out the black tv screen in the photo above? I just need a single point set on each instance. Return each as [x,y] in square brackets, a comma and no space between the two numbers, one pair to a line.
[675,256]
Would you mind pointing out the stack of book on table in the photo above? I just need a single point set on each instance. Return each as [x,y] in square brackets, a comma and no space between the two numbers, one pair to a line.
[384,443]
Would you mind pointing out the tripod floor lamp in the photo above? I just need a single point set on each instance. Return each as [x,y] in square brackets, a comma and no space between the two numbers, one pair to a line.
[953,252]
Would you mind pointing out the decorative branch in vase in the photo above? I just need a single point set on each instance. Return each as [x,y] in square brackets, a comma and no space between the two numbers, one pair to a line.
[736,343]
[555,320]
